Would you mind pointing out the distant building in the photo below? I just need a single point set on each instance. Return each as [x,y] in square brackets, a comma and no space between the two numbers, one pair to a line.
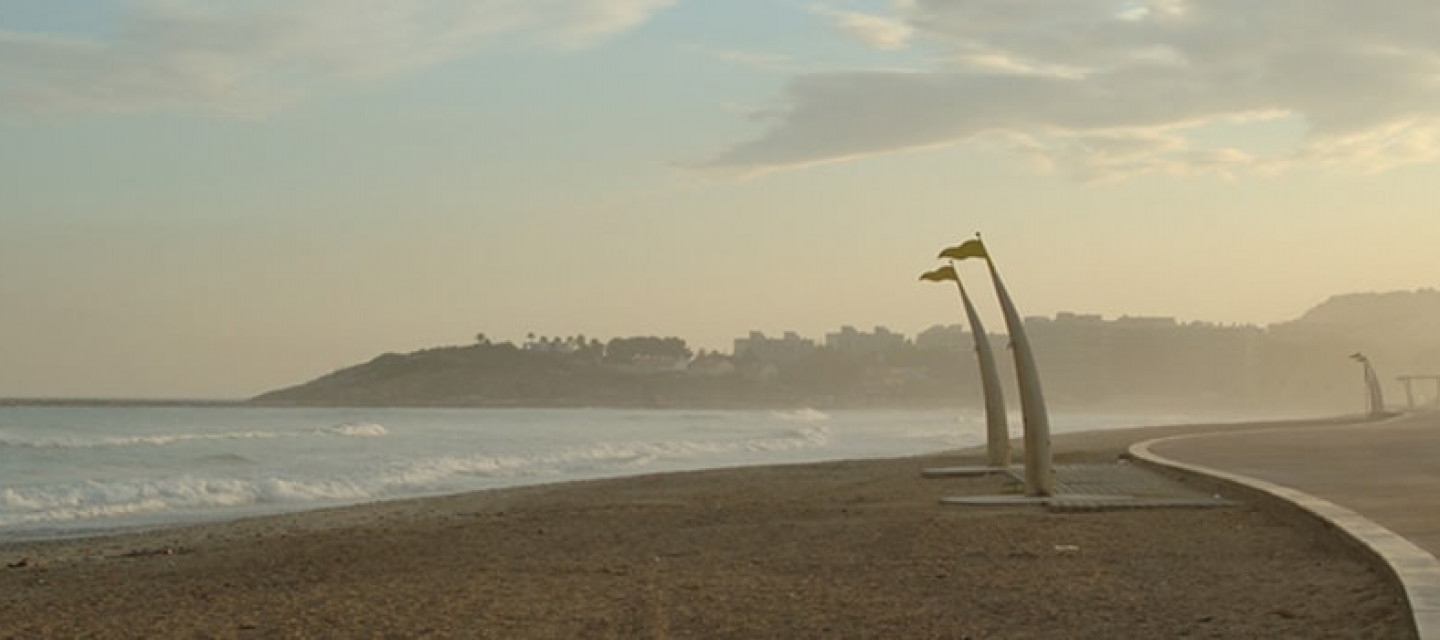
[943,338]
[1085,358]
[1146,322]
[759,348]
[859,343]
[552,345]
[653,364]
[711,364]
[1066,317]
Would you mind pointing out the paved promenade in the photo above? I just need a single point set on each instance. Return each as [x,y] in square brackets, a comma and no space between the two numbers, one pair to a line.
[1360,475]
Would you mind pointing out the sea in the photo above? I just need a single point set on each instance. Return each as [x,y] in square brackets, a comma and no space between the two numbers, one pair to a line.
[69,471]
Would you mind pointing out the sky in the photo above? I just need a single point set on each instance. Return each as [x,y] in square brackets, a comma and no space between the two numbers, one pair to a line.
[216,198]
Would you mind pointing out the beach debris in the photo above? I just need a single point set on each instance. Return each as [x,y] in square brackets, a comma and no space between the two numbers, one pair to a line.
[1066,548]
[20,564]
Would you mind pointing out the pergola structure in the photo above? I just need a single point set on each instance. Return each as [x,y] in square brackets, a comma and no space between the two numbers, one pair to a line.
[1410,391]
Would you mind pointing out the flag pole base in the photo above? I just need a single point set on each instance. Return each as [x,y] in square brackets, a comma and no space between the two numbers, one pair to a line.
[962,471]
[1021,500]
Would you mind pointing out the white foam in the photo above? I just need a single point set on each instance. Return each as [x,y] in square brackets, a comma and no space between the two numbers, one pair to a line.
[80,501]
[186,493]
[359,430]
[307,459]
[219,489]
[366,430]
[597,457]
[800,415]
[133,441]
[279,490]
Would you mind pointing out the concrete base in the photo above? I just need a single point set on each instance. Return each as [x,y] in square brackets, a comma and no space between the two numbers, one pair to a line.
[962,472]
[1091,487]
[1023,500]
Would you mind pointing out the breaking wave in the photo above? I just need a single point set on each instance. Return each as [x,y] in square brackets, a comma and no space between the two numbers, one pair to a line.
[364,430]
[368,430]
[96,500]
[800,415]
[134,441]
[598,458]
[193,493]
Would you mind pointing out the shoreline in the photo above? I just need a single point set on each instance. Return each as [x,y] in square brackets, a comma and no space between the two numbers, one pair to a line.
[1086,446]
[1116,438]
[1127,407]
[858,548]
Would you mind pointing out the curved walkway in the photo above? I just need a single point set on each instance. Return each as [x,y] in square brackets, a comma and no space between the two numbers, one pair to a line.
[1377,481]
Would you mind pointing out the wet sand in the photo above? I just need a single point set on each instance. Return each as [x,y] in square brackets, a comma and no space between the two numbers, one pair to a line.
[834,550]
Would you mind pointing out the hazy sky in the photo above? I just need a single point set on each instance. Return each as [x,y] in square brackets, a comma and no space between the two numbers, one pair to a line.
[213,198]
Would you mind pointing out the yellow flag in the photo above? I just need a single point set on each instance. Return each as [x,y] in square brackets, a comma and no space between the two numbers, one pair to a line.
[967,249]
[946,272]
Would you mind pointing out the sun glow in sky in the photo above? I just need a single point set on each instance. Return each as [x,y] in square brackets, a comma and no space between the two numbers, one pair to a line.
[213,198]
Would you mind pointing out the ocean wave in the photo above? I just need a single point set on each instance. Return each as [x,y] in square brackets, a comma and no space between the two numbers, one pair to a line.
[211,491]
[18,508]
[94,500]
[359,430]
[134,441]
[800,415]
[599,456]
[225,459]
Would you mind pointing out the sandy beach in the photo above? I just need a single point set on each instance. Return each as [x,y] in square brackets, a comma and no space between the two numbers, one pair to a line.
[844,549]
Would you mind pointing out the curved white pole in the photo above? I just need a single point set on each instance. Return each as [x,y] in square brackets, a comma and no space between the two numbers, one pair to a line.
[997,429]
[1039,478]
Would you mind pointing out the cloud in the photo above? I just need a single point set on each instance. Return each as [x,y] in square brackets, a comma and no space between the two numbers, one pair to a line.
[1104,90]
[249,58]
[758,60]
[881,32]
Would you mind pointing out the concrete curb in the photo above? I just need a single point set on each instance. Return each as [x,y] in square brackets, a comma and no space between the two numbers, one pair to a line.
[1416,570]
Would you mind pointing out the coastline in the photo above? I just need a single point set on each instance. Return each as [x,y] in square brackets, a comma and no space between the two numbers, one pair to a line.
[855,549]
[1125,406]
[120,402]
